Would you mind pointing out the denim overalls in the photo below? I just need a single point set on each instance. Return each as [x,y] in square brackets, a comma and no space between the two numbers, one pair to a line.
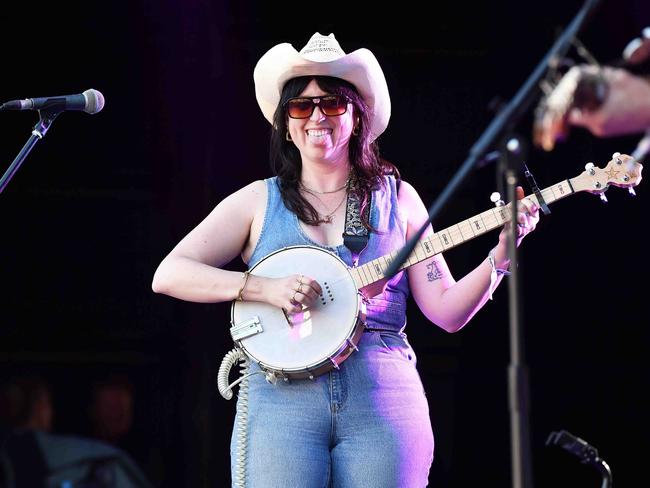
[364,425]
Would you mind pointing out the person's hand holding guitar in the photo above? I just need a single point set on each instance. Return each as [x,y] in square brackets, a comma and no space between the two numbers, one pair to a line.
[606,101]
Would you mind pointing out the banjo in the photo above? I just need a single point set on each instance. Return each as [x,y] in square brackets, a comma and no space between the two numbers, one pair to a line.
[321,337]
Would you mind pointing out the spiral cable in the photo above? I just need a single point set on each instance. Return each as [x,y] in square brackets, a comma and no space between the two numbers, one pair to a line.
[241,425]
[229,360]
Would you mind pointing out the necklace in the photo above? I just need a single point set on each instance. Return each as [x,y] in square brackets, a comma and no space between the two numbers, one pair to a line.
[327,218]
[316,192]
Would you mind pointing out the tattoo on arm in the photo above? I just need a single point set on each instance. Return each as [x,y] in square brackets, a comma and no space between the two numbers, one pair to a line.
[433,272]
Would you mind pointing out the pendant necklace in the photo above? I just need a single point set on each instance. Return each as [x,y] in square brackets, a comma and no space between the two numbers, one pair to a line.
[329,217]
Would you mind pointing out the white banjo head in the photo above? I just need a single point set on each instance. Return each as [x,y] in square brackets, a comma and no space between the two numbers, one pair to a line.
[312,336]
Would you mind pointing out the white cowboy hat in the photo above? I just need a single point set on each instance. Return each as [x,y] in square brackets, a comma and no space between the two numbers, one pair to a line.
[323,56]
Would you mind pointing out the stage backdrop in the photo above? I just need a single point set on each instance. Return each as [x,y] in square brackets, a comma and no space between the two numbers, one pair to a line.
[102,198]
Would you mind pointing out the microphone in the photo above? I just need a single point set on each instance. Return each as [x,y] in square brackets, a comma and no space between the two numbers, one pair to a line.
[91,101]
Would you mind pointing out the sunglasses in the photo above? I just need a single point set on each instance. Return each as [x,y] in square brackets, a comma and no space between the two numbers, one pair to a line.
[303,107]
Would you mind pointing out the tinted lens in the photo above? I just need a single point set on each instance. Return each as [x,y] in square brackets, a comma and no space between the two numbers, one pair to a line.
[333,105]
[300,108]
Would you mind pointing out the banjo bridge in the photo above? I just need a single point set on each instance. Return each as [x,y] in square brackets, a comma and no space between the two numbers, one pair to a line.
[246,329]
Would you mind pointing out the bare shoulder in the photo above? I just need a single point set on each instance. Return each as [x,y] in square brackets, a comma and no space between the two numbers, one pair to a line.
[409,198]
[248,200]
[407,190]
[412,207]
[248,194]
[239,208]
[225,231]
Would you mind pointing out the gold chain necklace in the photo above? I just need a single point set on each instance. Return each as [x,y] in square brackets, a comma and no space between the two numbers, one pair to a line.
[327,218]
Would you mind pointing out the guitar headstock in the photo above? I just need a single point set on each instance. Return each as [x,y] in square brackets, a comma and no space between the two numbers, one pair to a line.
[622,171]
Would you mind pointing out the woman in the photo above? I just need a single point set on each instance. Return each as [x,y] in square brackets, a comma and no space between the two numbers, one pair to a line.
[367,422]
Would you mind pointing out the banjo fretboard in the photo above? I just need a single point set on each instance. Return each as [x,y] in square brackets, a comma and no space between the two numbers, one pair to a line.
[452,236]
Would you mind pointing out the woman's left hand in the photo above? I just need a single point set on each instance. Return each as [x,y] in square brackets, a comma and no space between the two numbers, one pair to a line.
[527,218]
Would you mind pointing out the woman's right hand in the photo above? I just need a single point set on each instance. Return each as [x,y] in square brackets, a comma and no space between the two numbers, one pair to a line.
[293,293]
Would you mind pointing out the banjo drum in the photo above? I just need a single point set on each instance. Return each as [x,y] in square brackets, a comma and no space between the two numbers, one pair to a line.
[311,342]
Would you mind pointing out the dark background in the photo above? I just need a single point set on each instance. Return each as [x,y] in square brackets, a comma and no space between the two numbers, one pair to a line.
[102,198]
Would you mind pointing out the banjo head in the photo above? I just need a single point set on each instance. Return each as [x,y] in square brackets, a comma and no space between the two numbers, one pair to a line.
[300,344]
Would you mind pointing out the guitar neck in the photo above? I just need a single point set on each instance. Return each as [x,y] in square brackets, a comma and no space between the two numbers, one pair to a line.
[453,236]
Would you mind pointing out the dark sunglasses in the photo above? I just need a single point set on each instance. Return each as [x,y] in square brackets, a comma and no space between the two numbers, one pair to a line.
[303,107]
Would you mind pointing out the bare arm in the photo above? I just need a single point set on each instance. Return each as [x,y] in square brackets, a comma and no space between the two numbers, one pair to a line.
[448,303]
[192,270]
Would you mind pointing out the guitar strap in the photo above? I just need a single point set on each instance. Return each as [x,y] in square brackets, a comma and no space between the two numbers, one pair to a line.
[355,234]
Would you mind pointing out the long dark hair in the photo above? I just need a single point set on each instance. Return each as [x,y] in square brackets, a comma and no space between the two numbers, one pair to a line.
[368,168]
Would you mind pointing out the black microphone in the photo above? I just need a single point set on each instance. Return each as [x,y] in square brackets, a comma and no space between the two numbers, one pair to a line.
[91,101]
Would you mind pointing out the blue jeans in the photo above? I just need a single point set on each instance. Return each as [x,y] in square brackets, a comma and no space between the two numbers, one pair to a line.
[364,425]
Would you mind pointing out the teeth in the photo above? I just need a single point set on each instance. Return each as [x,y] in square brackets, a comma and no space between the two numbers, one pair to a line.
[319,132]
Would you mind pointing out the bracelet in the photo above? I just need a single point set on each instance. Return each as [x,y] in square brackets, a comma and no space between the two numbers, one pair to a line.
[495,272]
[239,298]
[492,263]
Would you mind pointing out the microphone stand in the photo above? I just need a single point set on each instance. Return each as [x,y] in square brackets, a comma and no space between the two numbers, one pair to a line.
[504,123]
[38,132]
[587,453]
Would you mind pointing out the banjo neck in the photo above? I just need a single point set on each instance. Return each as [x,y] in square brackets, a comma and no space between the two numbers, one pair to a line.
[450,237]
[622,171]
[455,235]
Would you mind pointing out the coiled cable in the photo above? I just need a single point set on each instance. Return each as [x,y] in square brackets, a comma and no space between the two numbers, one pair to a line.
[229,360]
[241,425]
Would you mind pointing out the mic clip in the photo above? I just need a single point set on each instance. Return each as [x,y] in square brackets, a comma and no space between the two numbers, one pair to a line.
[44,123]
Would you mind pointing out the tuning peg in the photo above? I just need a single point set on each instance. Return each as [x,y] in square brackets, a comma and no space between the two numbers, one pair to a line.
[589,167]
[496,199]
[632,192]
[603,197]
